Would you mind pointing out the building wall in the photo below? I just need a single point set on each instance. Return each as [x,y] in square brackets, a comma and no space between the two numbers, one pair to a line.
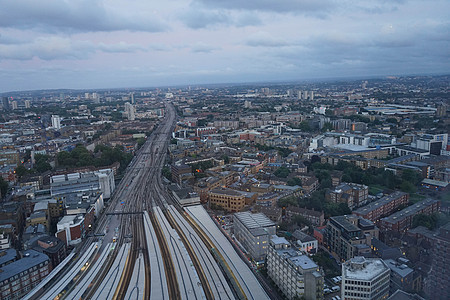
[229,202]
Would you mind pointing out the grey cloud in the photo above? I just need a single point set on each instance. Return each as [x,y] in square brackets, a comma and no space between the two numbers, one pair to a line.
[264,39]
[197,18]
[281,6]
[203,48]
[74,15]
[54,48]
[247,19]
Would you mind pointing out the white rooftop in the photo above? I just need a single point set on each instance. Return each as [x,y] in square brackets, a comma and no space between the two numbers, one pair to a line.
[360,268]
[251,221]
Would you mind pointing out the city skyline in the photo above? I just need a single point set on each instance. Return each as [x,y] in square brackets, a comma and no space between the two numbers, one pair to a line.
[108,44]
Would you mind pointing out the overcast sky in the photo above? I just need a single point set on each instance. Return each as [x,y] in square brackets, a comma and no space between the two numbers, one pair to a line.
[139,43]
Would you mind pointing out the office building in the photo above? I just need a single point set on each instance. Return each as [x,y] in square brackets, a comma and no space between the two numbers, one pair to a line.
[14,105]
[5,103]
[437,285]
[296,275]
[130,111]
[56,122]
[27,103]
[19,277]
[349,236]
[253,231]
[228,199]
[433,143]
[365,278]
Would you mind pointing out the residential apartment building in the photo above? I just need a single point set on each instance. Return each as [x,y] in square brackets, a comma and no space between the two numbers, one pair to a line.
[365,278]
[228,199]
[402,220]
[296,275]
[437,283]
[385,206]
[19,277]
[349,236]
[253,231]
[354,195]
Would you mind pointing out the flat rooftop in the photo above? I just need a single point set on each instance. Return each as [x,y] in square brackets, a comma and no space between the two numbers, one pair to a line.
[360,268]
[252,221]
[410,210]
[376,204]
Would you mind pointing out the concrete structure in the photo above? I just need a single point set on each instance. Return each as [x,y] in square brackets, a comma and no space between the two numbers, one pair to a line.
[383,207]
[364,278]
[253,231]
[130,111]
[349,236]
[56,122]
[402,220]
[296,275]
[20,276]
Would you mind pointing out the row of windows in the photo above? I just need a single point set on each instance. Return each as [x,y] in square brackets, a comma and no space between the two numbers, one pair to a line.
[356,282]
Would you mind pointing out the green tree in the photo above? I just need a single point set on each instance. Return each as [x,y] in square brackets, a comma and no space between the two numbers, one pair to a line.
[282,172]
[304,126]
[21,171]
[226,159]
[428,221]
[408,187]
[4,186]
[294,181]
[289,201]
[327,127]
[167,173]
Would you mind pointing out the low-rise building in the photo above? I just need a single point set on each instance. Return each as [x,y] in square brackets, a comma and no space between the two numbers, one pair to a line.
[385,206]
[71,229]
[365,278]
[227,199]
[296,275]
[305,242]
[402,220]
[354,195]
[20,276]
[402,276]
[253,231]
[317,218]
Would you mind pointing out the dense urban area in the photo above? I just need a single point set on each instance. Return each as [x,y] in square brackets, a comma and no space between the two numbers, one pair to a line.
[311,190]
